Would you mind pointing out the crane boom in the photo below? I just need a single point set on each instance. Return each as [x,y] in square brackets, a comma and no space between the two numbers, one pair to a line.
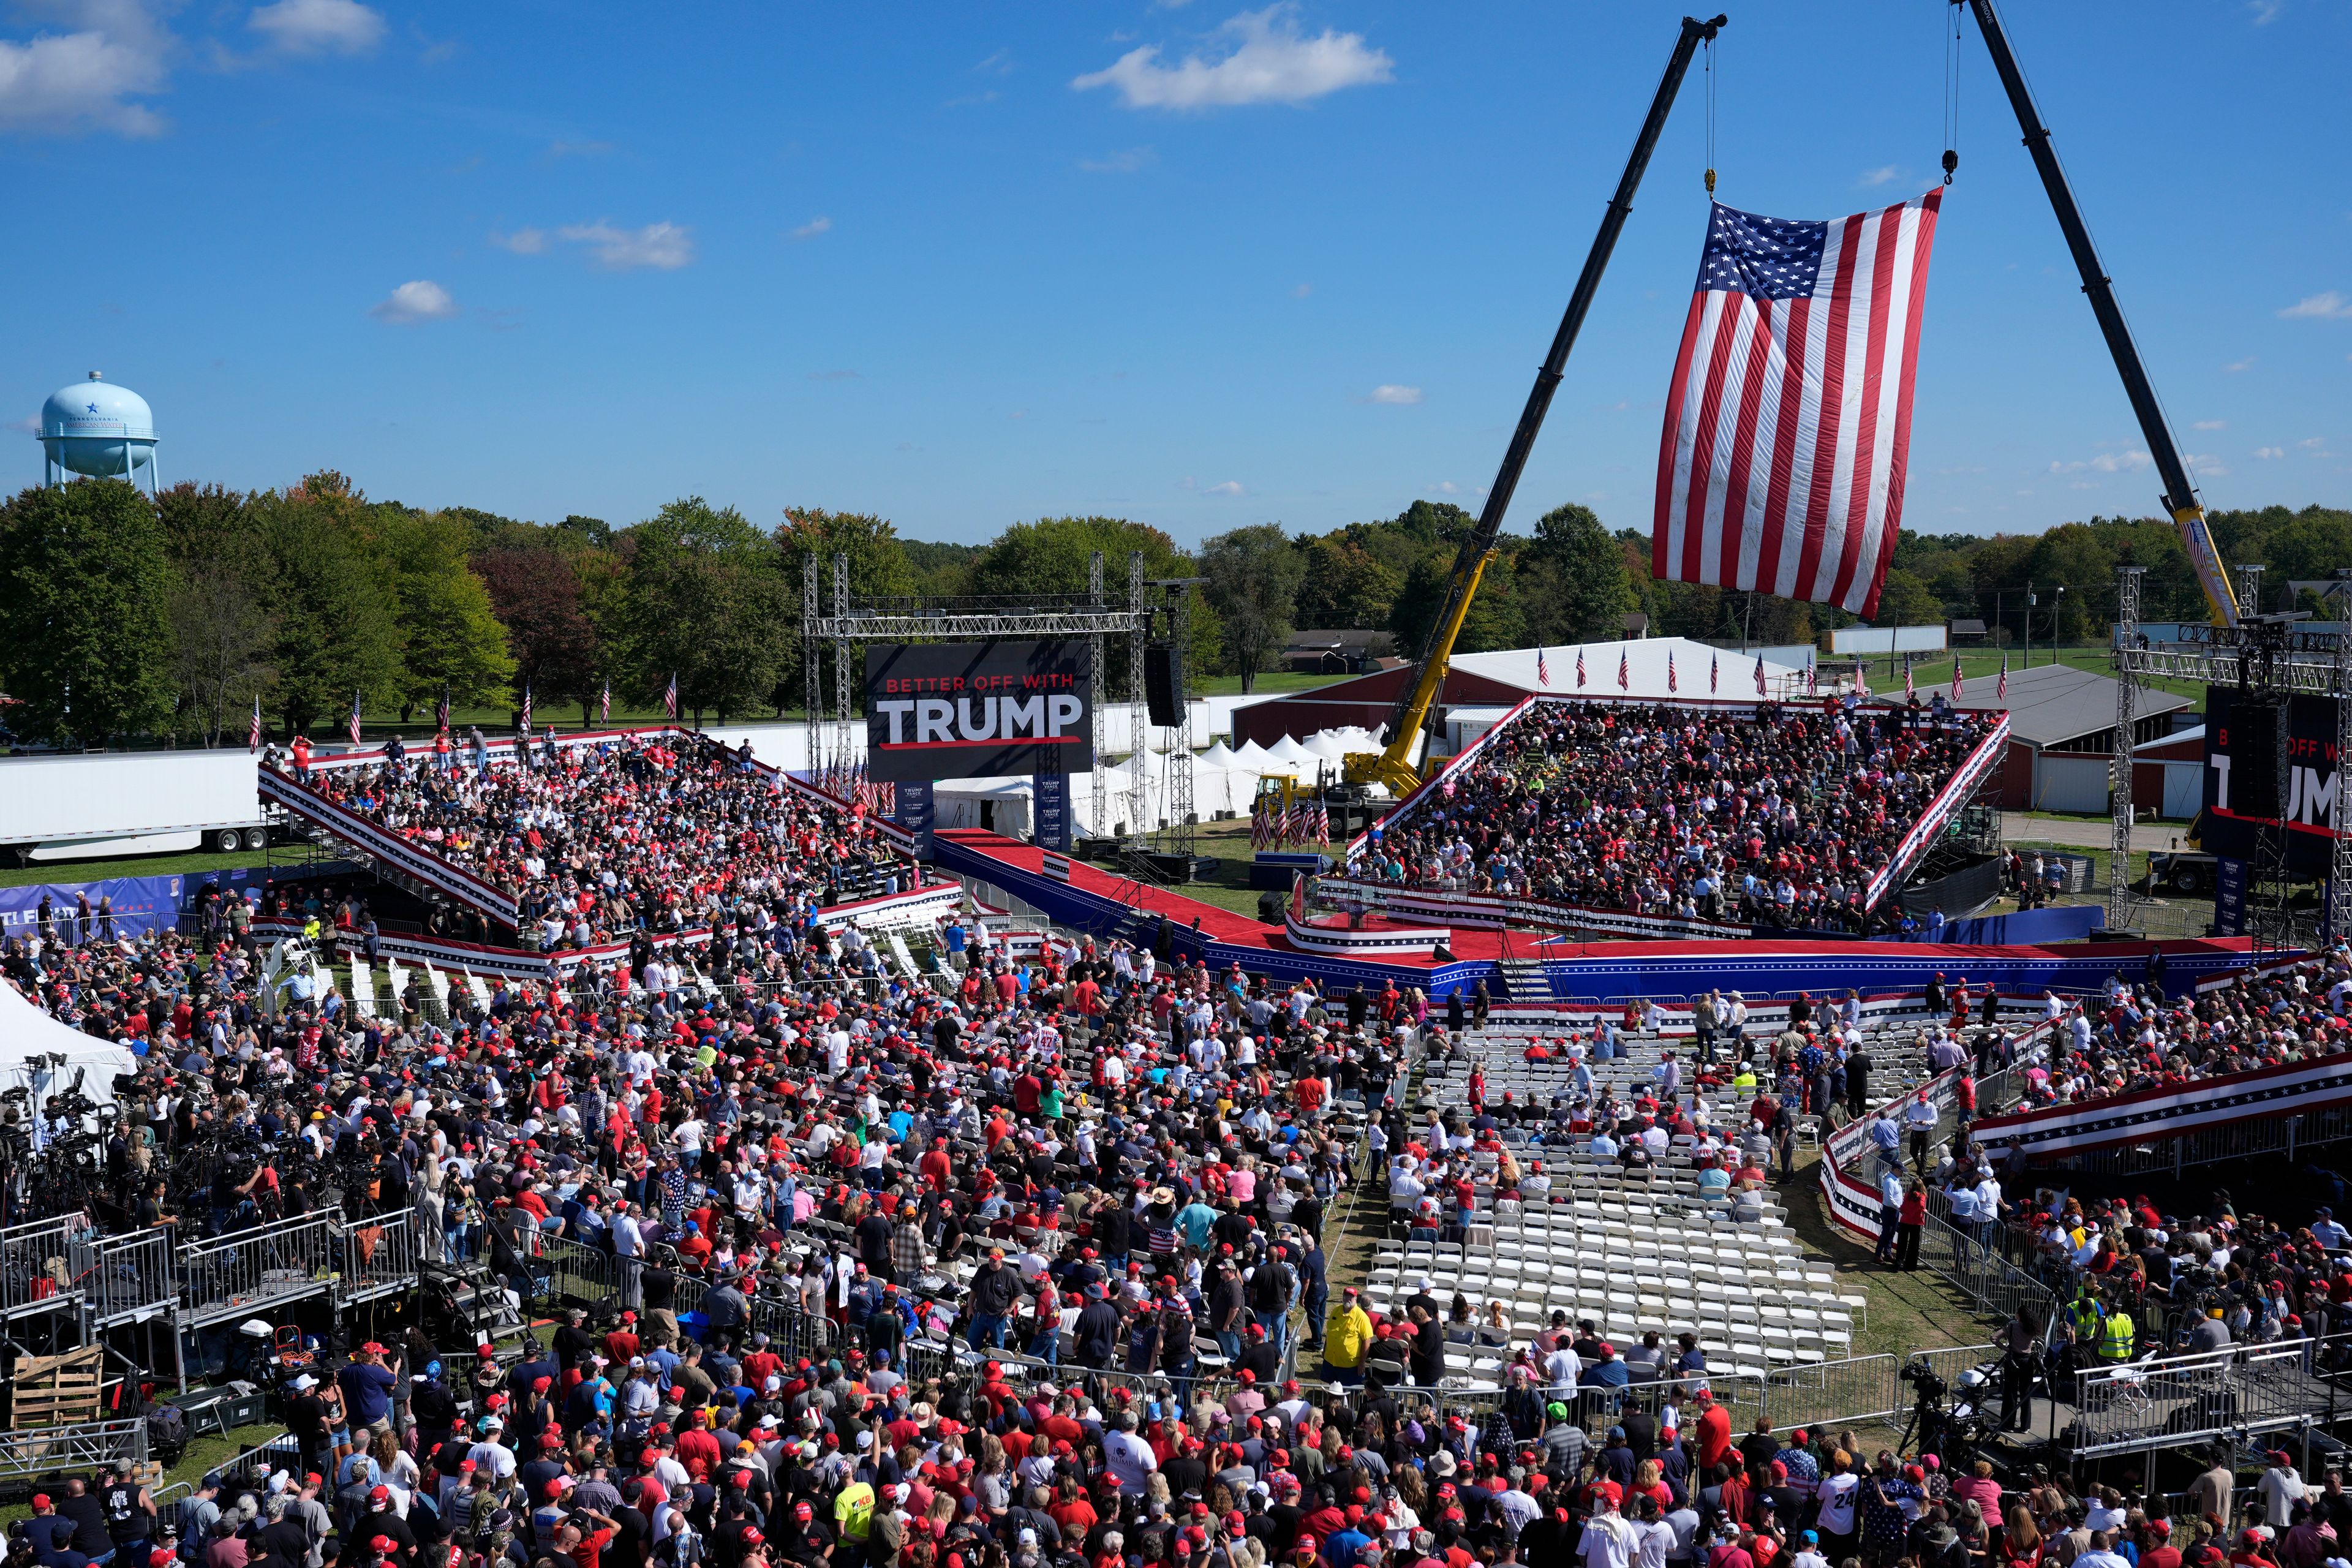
[1393,765]
[2180,495]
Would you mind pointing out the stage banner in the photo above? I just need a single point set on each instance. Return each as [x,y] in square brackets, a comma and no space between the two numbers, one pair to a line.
[2228,897]
[1050,801]
[2242,781]
[964,710]
[916,816]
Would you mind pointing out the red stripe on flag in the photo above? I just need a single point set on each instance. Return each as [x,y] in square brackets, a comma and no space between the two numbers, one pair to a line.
[1782,473]
[1826,432]
[1661,523]
[1743,446]
[1874,391]
[1922,247]
[1702,463]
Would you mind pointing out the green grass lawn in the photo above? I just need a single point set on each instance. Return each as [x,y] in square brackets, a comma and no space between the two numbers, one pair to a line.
[194,863]
[1936,670]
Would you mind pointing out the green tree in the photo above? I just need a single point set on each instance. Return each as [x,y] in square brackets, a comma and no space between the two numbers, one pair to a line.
[1571,578]
[1906,600]
[2309,547]
[1497,617]
[334,595]
[450,636]
[940,570]
[1344,582]
[1050,556]
[705,601]
[221,638]
[1252,580]
[85,611]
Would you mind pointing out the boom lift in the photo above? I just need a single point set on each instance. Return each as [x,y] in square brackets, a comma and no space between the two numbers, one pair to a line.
[1394,766]
[2180,502]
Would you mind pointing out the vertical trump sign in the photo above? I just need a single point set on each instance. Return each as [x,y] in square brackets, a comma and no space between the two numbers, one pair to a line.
[962,710]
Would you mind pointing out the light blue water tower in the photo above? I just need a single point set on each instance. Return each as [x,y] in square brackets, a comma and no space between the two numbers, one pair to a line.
[97,428]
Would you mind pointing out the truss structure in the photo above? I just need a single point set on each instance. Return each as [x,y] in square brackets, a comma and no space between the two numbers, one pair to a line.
[2271,659]
[856,620]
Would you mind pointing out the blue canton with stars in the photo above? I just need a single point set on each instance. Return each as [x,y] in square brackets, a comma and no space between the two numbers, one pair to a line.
[1762,258]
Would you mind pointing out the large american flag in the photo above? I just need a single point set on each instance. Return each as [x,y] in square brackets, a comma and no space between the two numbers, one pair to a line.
[1789,420]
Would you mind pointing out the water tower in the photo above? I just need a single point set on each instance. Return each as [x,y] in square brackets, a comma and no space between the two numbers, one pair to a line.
[97,428]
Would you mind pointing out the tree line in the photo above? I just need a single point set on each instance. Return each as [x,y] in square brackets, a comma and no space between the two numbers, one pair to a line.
[122,618]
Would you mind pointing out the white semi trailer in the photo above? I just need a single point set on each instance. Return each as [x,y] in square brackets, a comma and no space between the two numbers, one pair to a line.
[80,807]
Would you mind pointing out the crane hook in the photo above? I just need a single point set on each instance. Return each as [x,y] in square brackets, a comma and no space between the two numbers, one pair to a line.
[1951,163]
[1710,182]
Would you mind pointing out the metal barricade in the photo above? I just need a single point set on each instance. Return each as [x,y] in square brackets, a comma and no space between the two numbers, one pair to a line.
[2170,1400]
[378,1257]
[570,1271]
[27,1280]
[248,1271]
[126,1278]
[80,1450]
[1858,1389]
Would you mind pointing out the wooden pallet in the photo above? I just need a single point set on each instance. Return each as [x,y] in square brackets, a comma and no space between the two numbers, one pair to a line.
[57,1390]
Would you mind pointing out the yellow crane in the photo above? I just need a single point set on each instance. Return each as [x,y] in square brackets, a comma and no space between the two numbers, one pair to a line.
[1393,765]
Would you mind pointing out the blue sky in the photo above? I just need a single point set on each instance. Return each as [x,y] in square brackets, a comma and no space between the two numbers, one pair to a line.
[1200,266]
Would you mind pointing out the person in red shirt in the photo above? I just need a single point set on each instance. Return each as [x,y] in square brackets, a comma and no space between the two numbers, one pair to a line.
[697,1451]
[1713,1430]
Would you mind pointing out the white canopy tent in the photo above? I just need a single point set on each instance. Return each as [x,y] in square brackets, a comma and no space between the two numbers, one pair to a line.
[40,1054]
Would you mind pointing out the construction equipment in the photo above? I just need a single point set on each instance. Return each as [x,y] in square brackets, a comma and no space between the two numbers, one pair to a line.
[2180,502]
[1394,766]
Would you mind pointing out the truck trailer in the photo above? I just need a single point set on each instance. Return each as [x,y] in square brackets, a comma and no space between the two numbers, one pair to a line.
[87,806]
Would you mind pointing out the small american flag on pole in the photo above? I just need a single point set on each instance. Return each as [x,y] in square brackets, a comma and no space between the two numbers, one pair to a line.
[1788,422]
[1956,678]
[1672,684]
[1908,689]
[2001,691]
[1623,681]
[669,698]
[1714,669]
[526,707]
[355,717]
[1579,669]
[253,735]
[605,712]
[1543,669]
[1760,675]
[441,712]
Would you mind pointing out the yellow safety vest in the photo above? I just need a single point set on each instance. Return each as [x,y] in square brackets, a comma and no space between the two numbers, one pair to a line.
[2115,1337]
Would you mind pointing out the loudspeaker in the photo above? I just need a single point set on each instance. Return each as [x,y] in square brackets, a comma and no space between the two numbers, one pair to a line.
[2253,760]
[1164,685]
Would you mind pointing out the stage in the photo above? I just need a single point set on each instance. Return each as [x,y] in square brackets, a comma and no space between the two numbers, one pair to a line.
[1538,966]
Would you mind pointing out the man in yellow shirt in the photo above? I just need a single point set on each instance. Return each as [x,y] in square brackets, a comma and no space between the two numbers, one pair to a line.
[1347,1333]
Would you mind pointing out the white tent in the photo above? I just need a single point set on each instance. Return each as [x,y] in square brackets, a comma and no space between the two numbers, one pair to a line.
[1288,749]
[1323,744]
[1219,755]
[30,1040]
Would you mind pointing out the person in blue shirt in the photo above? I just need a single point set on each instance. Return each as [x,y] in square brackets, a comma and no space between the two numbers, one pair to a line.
[367,1386]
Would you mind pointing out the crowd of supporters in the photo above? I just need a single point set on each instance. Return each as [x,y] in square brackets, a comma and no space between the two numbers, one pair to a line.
[1782,818]
[657,832]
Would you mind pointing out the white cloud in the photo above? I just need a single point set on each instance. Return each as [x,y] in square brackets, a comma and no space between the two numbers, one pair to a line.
[2330,306]
[1230,488]
[667,246]
[1265,59]
[319,27]
[2104,463]
[2265,11]
[2269,451]
[1446,488]
[62,84]
[2212,424]
[1126,162]
[2206,463]
[30,424]
[522,241]
[998,64]
[2313,443]
[1398,396]
[422,301]
[1883,174]
[2234,366]
[814,227]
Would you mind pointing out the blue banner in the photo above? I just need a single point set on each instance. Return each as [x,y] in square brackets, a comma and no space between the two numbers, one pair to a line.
[915,814]
[2228,897]
[1050,810]
[140,904]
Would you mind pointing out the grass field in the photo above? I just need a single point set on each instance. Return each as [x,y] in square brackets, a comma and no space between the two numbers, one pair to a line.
[194,863]
[1935,670]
